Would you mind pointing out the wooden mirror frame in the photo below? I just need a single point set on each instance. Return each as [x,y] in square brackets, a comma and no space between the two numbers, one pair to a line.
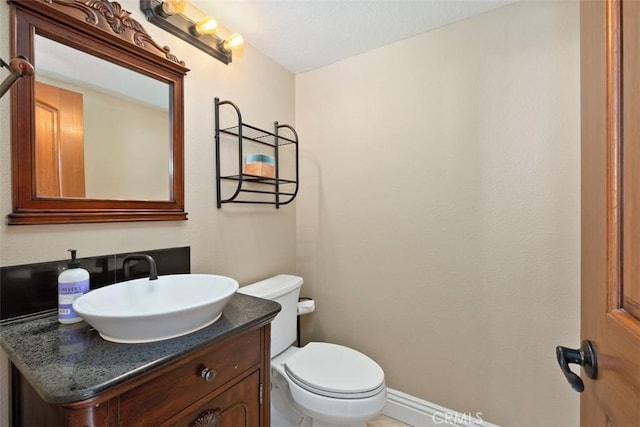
[103,29]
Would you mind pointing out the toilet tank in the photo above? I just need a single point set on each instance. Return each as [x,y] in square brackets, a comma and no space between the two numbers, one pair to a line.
[285,290]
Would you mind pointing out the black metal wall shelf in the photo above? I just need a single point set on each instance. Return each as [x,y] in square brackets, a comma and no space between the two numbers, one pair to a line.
[284,190]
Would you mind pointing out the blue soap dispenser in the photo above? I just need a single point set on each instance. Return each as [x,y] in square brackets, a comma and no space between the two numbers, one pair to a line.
[72,284]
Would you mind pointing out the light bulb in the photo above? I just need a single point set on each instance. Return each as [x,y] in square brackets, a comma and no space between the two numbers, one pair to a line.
[234,40]
[206,25]
[172,7]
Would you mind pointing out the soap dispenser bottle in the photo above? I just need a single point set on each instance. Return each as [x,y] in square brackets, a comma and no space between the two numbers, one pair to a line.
[72,284]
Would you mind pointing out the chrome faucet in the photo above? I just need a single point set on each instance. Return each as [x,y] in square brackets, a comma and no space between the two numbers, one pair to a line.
[153,269]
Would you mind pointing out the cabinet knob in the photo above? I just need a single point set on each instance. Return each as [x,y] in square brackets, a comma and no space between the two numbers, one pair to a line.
[208,374]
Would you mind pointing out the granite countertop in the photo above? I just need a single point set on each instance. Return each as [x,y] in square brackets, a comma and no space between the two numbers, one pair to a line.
[69,363]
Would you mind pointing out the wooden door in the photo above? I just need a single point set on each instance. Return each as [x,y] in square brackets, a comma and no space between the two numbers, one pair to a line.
[610,295]
[59,154]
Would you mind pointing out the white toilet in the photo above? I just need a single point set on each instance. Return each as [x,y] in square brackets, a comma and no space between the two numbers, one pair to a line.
[320,384]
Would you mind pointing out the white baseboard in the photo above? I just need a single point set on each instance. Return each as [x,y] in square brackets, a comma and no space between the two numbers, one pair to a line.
[420,413]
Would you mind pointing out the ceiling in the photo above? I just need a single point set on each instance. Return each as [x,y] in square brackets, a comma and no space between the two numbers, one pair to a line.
[302,35]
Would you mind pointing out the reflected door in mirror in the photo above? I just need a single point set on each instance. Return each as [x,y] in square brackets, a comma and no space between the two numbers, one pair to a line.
[59,142]
[126,125]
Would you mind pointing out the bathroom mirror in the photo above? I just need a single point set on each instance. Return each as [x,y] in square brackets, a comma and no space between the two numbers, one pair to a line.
[97,132]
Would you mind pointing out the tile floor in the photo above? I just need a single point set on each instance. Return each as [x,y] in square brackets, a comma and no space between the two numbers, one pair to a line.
[384,421]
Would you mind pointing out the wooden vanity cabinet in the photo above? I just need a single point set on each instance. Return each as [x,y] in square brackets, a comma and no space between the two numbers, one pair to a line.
[225,383]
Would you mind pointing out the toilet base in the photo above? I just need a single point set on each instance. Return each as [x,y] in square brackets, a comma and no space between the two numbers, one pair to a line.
[284,413]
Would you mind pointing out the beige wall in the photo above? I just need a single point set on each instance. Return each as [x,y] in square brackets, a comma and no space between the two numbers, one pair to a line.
[245,242]
[438,222]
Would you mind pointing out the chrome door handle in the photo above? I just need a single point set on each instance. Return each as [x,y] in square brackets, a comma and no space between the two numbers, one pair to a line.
[585,356]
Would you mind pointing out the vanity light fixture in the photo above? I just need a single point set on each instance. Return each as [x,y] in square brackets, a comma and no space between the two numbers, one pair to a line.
[173,6]
[188,23]
[207,25]
[234,40]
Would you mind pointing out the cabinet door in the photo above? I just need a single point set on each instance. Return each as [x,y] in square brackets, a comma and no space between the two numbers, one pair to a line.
[239,406]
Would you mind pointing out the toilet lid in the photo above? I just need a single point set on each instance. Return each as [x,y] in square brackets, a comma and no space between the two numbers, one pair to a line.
[335,371]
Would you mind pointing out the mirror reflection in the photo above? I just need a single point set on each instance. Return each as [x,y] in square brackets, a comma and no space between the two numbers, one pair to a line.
[102,131]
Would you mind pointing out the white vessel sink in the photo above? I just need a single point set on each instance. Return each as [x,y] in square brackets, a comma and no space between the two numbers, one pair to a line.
[143,310]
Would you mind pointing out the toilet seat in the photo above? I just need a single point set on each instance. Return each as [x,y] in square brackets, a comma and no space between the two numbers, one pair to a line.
[335,371]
